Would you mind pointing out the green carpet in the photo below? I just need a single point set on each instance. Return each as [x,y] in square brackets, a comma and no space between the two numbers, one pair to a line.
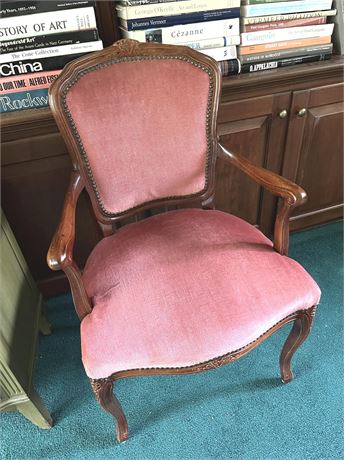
[240,411]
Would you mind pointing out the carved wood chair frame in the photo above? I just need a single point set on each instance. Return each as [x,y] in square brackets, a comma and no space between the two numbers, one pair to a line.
[60,255]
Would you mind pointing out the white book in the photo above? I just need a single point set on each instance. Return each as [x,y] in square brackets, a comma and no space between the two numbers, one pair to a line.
[297,6]
[41,53]
[186,32]
[52,22]
[287,33]
[213,42]
[173,8]
[221,54]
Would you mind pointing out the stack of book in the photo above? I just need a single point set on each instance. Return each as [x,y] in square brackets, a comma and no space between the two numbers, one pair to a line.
[37,39]
[210,26]
[279,33]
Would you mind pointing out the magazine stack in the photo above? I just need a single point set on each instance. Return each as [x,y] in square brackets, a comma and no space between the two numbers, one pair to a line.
[279,33]
[209,26]
[37,39]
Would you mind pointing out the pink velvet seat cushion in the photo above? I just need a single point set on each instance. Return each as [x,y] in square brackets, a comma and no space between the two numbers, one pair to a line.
[184,287]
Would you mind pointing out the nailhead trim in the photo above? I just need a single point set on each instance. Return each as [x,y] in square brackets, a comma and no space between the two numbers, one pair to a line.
[82,150]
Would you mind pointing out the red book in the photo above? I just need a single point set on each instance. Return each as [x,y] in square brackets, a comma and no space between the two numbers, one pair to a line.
[28,82]
[283,24]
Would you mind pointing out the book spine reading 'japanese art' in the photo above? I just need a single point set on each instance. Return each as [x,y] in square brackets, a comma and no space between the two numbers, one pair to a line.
[47,23]
[186,32]
[20,8]
[24,67]
[46,41]
[28,82]
[173,8]
[24,100]
[259,66]
[167,21]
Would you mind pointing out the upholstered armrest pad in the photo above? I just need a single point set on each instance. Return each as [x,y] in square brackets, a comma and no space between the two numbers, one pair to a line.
[60,254]
[277,185]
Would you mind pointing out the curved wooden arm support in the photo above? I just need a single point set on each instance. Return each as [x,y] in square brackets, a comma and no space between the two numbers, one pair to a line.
[60,254]
[292,194]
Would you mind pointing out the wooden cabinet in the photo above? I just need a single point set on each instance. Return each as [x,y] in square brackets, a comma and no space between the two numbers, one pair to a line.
[294,128]
[314,153]
[308,149]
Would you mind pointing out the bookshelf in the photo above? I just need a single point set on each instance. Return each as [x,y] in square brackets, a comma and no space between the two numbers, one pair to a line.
[305,148]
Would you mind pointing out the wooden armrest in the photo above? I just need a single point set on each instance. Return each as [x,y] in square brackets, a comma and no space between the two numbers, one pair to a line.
[292,194]
[60,254]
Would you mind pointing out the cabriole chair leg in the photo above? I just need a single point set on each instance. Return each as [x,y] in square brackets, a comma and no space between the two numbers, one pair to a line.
[298,334]
[103,390]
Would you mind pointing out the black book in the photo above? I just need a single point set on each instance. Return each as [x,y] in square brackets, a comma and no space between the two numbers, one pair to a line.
[258,66]
[19,8]
[229,67]
[10,69]
[46,41]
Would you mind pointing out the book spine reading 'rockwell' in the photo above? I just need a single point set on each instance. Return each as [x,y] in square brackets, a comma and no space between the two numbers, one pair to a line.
[24,100]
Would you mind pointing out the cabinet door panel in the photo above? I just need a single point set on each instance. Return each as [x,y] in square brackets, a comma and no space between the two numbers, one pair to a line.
[314,153]
[252,128]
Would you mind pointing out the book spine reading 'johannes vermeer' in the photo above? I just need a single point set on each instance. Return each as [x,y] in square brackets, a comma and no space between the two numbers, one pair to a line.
[167,21]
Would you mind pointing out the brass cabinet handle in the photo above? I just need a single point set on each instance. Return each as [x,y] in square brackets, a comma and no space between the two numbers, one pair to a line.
[302,112]
[283,114]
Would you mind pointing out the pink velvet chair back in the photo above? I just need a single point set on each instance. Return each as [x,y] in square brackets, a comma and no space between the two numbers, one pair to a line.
[141,119]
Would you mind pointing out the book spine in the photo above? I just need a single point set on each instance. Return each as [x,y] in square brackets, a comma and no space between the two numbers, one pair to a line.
[222,53]
[29,82]
[167,21]
[53,51]
[248,68]
[46,41]
[181,33]
[173,8]
[213,42]
[31,66]
[229,67]
[144,2]
[47,23]
[282,45]
[282,24]
[287,17]
[285,7]
[255,2]
[291,33]
[287,53]
[24,100]
[20,8]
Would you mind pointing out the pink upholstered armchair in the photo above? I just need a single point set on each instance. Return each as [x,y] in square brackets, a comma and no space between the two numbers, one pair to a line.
[184,290]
